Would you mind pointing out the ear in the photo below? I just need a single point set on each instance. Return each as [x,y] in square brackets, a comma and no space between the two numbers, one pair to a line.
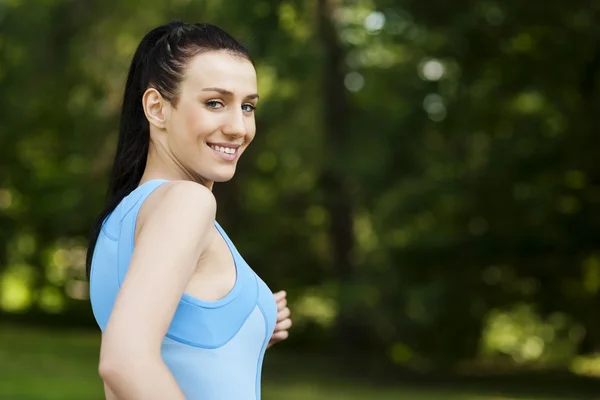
[154,107]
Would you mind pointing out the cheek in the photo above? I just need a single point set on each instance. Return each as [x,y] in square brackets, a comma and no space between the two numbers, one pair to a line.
[250,132]
[194,124]
[191,119]
[181,123]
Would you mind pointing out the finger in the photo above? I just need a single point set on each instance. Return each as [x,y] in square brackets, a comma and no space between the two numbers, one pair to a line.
[278,337]
[281,304]
[283,325]
[281,335]
[283,314]
[280,295]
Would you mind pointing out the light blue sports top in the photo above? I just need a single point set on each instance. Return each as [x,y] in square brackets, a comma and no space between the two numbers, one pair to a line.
[213,349]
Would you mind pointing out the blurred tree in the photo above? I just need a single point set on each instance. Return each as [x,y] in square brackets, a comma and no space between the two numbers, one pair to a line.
[421,169]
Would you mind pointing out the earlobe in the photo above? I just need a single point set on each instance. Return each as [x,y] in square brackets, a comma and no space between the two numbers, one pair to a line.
[154,104]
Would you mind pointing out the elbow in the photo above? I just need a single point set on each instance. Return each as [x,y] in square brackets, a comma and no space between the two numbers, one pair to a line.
[121,364]
[113,366]
[111,370]
[106,374]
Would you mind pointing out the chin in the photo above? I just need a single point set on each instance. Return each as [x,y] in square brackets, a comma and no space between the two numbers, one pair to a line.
[222,179]
[221,176]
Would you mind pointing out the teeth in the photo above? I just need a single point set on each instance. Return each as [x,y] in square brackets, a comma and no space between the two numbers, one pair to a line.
[226,150]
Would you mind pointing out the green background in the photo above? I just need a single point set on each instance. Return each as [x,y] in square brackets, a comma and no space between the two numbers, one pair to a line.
[423,183]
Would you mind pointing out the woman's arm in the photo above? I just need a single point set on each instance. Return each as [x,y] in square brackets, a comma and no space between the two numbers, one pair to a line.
[108,394]
[175,226]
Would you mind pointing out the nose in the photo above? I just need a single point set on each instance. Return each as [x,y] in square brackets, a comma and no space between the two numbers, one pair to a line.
[236,124]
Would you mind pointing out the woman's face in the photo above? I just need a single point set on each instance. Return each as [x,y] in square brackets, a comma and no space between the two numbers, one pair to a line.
[213,121]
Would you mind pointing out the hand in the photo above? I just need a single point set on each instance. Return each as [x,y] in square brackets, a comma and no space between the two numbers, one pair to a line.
[283,319]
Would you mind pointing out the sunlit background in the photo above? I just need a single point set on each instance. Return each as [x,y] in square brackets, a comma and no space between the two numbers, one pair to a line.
[423,183]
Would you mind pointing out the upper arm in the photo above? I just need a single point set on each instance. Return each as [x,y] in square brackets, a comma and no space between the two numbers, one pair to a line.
[174,229]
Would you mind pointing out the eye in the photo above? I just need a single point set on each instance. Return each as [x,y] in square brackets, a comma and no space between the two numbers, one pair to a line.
[248,107]
[214,104]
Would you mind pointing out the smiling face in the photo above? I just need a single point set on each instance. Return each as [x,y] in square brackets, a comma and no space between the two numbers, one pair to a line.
[211,124]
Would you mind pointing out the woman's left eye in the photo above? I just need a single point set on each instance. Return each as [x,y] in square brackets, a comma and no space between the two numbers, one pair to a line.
[248,107]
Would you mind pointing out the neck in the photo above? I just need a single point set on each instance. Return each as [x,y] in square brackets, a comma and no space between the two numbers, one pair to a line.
[161,165]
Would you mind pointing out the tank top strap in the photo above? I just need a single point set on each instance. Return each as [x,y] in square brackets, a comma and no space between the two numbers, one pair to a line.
[129,213]
[227,239]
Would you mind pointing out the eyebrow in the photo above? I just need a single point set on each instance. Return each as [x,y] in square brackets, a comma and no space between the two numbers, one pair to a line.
[226,92]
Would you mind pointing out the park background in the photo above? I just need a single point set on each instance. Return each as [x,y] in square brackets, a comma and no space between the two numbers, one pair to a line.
[423,183]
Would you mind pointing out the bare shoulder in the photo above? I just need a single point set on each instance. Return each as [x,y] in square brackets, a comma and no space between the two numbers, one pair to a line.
[180,199]
[189,190]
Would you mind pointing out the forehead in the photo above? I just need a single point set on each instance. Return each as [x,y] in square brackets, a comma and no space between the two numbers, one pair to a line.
[223,70]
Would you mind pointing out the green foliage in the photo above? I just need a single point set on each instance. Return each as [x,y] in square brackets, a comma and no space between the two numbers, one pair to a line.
[462,164]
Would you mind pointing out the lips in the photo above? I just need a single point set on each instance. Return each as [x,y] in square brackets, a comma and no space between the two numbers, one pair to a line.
[227,151]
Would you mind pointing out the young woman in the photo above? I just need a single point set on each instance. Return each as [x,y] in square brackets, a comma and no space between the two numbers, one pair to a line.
[182,315]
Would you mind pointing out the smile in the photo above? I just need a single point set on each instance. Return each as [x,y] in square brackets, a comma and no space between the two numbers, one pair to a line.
[226,151]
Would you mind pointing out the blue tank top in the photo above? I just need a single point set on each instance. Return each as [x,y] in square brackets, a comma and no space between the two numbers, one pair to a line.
[213,349]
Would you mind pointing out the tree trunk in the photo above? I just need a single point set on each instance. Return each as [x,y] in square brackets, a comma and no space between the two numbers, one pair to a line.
[334,179]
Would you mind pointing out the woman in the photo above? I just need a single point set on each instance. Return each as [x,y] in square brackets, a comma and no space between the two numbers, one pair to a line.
[182,315]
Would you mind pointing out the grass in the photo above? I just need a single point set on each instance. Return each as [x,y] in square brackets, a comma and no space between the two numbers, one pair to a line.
[47,364]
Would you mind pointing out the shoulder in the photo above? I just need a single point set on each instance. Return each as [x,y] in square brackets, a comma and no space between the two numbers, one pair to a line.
[180,200]
[190,195]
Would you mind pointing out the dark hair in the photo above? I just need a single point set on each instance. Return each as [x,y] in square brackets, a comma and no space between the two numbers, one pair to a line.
[159,62]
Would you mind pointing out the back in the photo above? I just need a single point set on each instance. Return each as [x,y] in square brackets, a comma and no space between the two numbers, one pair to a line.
[213,349]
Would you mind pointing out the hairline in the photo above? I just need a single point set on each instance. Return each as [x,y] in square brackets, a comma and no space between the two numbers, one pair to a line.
[199,50]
